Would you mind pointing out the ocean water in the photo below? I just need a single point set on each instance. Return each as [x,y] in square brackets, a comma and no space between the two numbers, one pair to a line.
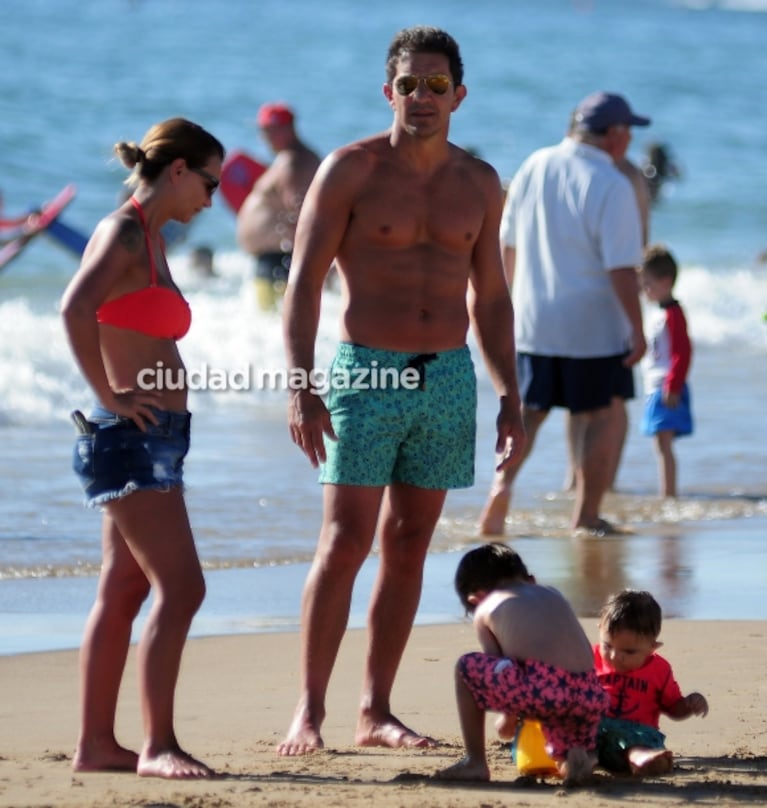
[77,77]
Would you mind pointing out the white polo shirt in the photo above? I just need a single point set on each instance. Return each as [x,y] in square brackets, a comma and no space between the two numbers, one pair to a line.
[572,217]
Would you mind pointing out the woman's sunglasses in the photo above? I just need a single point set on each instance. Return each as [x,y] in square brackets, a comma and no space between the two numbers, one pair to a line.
[211,183]
[438,83]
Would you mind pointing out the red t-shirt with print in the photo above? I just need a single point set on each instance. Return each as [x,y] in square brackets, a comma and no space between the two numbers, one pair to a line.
[641,695]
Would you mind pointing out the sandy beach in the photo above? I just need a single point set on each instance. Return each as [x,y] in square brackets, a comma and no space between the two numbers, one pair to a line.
[237,693]
[254,501]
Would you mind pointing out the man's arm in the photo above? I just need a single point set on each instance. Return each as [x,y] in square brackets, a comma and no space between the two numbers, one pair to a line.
[492,317]
[320,232]
[508,231]
[626,286]
[509,265]
[642,192]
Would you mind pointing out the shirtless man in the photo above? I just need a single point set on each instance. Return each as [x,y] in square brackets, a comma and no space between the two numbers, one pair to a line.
[266,222]
[411,222]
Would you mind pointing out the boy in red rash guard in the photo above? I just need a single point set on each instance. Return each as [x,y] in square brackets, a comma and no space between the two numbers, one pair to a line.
[667,412]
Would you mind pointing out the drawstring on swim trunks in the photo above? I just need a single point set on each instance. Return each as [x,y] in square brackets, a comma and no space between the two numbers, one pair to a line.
[419,362]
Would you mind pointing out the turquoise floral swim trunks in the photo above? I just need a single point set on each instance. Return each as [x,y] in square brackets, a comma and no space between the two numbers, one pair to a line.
[401,417]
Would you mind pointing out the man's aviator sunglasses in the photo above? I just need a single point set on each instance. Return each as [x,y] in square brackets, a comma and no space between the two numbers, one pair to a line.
[211,183]
[438,83]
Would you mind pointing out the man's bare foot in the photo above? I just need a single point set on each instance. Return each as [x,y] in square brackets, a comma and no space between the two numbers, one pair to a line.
[492,521]
[650,762]
[108,756]
[391,732]
[303,737]
[597,528]
[578,768]
[465,769]
[172,764]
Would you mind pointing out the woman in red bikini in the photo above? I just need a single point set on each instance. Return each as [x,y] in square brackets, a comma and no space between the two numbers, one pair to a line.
[123,313]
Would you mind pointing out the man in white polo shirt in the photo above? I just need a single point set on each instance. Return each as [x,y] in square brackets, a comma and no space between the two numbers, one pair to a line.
[571,241]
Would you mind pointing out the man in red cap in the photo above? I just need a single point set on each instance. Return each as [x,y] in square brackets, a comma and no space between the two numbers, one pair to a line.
[266,222]
[274,114]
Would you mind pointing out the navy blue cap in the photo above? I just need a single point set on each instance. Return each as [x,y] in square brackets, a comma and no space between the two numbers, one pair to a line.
[599,111]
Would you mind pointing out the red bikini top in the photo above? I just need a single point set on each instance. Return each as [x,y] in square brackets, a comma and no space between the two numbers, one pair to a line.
[157,311]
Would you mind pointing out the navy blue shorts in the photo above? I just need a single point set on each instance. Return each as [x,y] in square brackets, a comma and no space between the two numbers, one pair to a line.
[273,266]
[116,458]
[579,385]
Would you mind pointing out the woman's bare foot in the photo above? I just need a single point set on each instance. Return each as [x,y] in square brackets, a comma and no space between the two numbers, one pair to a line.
[172,764]
[492,521]
[650,762]
[578,768]
[389,731]
[107,756]
[303,736]
[465,769]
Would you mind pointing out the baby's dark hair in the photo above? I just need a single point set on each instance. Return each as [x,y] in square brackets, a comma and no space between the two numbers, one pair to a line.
[486,568]
[659,262]
[165,142]
[424,39]
[631,610]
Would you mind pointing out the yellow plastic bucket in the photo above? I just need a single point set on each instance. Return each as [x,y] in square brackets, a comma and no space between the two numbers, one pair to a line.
[529,750]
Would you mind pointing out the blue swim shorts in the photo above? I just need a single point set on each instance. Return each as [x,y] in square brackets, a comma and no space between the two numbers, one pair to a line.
[579,385]
[657,417]
[116,458]
[401,418]
[616,736]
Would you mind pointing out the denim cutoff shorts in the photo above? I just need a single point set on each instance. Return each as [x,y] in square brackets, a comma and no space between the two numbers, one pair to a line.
[115,458]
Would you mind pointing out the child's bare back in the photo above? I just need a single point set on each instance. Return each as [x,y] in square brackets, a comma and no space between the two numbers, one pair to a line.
[532,643]
[533,622]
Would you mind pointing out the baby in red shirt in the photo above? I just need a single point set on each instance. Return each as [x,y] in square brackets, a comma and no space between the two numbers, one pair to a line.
[641,686]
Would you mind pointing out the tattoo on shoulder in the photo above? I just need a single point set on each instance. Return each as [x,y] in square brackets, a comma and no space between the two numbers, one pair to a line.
[130,235]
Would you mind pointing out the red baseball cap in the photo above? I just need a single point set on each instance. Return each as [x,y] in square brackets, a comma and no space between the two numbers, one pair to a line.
[275,114]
